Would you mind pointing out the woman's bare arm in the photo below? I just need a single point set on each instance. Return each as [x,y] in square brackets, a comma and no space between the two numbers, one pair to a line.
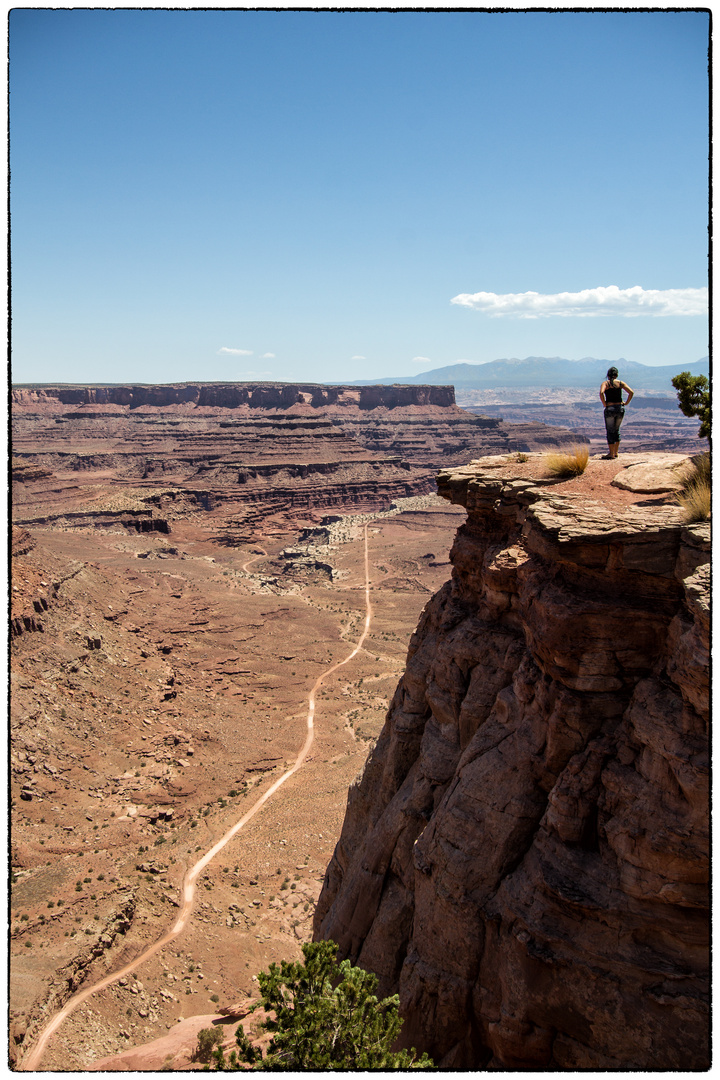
[630,393]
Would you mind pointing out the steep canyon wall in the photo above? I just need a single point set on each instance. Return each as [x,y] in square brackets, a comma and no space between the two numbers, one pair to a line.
[525,857]
[235,395]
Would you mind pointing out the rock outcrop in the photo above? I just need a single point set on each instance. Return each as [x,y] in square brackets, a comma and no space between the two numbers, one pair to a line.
[525,857]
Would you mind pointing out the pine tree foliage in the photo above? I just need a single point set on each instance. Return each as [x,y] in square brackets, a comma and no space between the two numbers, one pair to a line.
[208,1038]
[324,1015]
[693,392]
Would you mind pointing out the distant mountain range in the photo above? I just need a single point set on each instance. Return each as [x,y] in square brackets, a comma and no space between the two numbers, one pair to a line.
[547,371]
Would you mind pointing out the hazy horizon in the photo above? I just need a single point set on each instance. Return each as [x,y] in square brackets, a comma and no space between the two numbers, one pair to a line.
[322,382]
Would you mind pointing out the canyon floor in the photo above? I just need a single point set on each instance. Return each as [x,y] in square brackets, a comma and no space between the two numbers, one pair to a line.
[167,688]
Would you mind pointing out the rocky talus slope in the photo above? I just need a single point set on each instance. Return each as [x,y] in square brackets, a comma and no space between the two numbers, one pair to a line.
[525,857]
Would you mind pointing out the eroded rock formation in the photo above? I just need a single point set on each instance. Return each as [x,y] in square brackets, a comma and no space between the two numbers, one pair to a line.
[248,449]
[525,857]
[233,395]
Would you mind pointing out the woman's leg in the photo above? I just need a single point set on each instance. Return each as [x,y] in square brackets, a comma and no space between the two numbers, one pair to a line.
[613,420]
[618,418]
[610,430]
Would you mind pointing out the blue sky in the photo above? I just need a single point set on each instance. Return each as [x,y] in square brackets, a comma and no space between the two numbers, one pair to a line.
[222,195]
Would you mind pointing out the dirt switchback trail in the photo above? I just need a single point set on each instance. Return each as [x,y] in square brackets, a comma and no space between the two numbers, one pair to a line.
[32,1060]
[261,554]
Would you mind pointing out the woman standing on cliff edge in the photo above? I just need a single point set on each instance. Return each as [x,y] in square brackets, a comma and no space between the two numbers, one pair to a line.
[611,397]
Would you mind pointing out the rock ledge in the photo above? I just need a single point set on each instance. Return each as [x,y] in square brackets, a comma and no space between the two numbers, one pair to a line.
[525,858]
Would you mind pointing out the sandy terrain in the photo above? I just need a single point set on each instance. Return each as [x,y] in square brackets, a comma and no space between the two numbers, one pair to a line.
[135,755]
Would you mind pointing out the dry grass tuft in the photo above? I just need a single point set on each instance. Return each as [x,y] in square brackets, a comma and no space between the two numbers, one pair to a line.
[695,496]
[564,463]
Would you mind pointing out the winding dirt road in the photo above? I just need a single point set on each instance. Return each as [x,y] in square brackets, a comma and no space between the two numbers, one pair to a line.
[31,1061]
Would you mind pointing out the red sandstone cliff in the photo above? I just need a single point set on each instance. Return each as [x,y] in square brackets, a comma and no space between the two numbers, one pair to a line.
[525,858]
[234,395]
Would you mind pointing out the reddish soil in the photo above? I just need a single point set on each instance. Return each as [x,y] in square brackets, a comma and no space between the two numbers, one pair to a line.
[193,703]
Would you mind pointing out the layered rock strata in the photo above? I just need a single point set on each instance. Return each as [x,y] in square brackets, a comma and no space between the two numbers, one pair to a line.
[248,449]
[234,395]
[525,857]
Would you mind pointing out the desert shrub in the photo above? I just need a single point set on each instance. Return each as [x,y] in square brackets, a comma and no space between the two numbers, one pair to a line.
[208,1039]
[697,502]
[326,1016]
[521,457]
[695,496]
[693,393]
[565,463]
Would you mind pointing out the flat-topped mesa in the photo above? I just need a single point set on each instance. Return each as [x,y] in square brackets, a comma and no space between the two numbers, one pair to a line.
[525,858]
[235,395]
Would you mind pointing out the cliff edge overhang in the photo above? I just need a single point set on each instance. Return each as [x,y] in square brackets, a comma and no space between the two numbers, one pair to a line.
[525,858]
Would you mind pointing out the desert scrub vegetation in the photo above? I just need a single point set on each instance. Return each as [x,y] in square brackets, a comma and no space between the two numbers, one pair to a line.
[208,1039]
[566,463]
[322,1015]
[695,496]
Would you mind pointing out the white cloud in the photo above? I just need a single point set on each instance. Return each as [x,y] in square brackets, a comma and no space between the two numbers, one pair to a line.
[235,352]
[268,356]
[253,374]
[605,300]
[358,357]
[421,360]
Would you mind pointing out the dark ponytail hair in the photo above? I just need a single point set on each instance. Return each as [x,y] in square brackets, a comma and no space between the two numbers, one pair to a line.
[612,373]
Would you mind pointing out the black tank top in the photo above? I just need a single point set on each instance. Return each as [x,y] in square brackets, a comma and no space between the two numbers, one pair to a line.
[613,395]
